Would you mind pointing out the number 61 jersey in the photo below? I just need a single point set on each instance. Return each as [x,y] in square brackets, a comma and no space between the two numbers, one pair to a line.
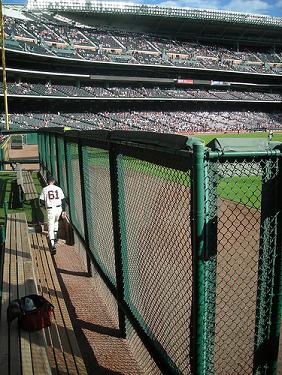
[52,195]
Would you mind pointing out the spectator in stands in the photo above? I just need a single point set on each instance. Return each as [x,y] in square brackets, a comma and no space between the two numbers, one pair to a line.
[135,47]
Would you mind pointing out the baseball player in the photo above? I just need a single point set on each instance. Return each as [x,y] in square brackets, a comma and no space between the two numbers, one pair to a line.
[52,197]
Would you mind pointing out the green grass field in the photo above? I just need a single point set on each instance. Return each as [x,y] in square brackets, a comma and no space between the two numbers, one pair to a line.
[245,190]
[277,136]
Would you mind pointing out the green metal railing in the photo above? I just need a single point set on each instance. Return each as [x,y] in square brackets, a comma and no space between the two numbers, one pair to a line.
[187,239]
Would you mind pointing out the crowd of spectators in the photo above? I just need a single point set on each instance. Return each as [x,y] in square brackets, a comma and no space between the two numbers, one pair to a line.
[128,47]
[156,121]
[85,89]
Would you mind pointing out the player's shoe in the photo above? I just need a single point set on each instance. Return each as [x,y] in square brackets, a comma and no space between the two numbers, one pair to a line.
[53,250]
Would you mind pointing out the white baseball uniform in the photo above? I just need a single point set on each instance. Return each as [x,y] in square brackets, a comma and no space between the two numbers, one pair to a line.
[52,195]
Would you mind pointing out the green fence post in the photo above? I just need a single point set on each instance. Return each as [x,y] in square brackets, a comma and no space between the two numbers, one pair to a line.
[117,232]
[198,228]
[69,180]
[82,183]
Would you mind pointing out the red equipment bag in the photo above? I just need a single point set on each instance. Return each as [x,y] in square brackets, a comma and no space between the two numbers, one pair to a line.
[34,312]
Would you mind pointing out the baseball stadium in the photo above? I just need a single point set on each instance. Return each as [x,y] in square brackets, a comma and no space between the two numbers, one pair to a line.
[161,127]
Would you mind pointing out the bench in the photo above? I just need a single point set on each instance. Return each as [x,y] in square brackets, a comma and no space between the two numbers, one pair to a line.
[29,269]
[21,352]
[26,187]
[63,351]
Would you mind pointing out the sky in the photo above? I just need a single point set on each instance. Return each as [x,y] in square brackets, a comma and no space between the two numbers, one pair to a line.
[269,7]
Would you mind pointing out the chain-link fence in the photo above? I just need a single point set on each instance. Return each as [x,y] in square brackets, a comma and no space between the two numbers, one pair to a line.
[74,186]
[156,238]
[187,239]
[238,195]
[97,185]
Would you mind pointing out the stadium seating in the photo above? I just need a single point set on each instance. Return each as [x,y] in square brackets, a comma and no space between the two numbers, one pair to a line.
[51,35]
[67,41]
[162,122]
[88,89]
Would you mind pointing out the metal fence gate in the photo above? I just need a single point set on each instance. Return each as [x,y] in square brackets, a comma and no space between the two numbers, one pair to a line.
[187,238]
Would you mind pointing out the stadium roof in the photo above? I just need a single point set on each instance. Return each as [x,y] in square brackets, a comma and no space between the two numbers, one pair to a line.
[154,11]
[176,23]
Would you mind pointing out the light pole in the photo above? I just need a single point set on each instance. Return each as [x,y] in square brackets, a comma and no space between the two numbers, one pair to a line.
[4,67]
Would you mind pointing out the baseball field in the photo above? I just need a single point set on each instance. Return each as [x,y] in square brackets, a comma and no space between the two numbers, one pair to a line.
[277,136]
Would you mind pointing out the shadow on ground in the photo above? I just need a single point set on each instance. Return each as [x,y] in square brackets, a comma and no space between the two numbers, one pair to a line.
[90,360]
